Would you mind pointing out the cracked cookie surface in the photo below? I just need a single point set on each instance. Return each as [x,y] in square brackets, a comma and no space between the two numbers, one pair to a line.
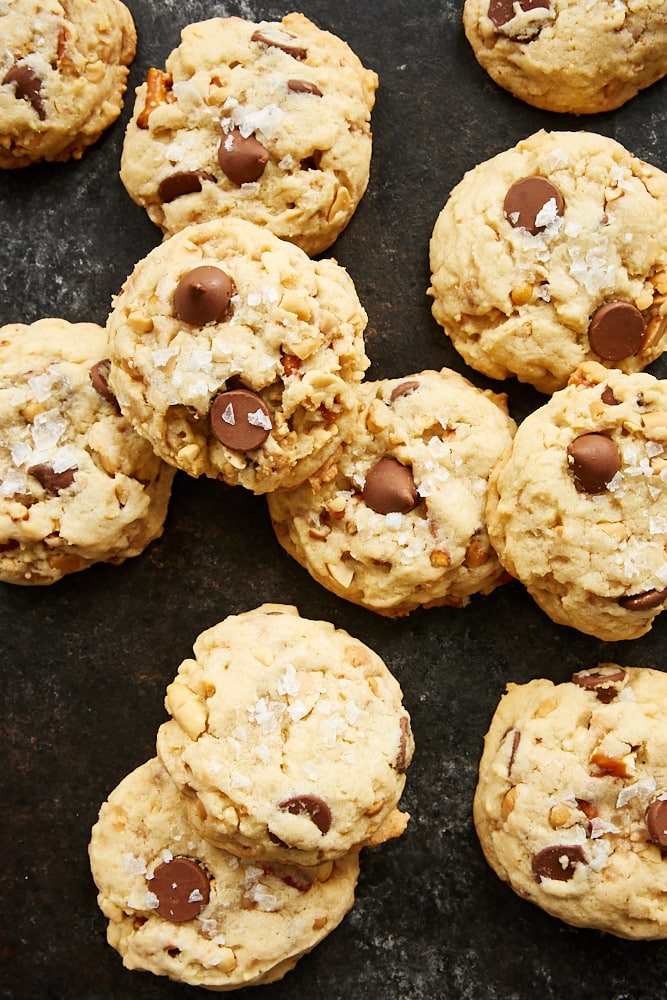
[63,74]
[266,121]
[552,253]
[179,907]
[571,802]
[288,738]
[569,56]
[77,484]
[396,519]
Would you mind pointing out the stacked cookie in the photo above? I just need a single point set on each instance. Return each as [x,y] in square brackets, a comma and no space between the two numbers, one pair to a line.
[223,860]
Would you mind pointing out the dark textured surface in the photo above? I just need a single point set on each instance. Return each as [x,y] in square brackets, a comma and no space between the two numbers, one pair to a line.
[85,662]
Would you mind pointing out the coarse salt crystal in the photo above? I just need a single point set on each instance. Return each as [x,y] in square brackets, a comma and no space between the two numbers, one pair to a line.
[260,419]
[642,790]
[134,864]
[289,683]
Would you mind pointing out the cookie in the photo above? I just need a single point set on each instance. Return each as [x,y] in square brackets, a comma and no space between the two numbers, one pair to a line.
[288,739]
[234,354]
[77,485]
[396,520]
[578,509]
[265,121]
[571,803]
[179,907]
[552,253]
[565,56]
[63,74]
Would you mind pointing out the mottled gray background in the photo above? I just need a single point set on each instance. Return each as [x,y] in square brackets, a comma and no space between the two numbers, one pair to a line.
[85,662]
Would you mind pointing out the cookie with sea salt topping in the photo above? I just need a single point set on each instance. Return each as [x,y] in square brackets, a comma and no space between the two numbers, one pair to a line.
[265,121]
[396,520]
[179,907]
[569,56]
[77,485]
[288,739]
[552,253]
[577,510]
[571,803]
[63,74]
[234,354]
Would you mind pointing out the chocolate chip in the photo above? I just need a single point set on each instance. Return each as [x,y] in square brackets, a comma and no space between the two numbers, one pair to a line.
[502,11]
[52,482]
[182,888]
[182,182]
[557,862]
[527,198]
[643,602]
[594,460]
[99,376]
[516,739]
[240,419]
[616,331]
[606,682]
[608,397]
[402,390]
[203,295]
[390,488]
[280,40]
[304,87]
[656,822]
[28,87]
[312,806]
[242,158]
[402,761]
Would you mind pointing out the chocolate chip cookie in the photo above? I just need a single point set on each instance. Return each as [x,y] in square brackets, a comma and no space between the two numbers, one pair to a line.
[63,74]
[571,803]
[288,739]
[552,253]
[77,484]
[396,520]
[577,510]
[179,907]
[568,56]
[234,354]
[266,121]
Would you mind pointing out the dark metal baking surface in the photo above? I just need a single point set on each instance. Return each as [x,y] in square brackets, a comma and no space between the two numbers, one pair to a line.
[85,662]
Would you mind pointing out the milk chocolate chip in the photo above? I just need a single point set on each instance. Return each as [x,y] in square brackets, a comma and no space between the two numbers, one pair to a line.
[304,87]
[51,481]
[280,40]
[594,460]
[203,295]
[606,682]
[240,419]
[99,376]
[656,822]
[182,888]
[242,158]
[312,806]
[643,602]
[528,199]
[402,761]
[502,11]
[390,488]
[557,862]
[28,87]
[182,182]
[608,397]
[403,389]
[616,331]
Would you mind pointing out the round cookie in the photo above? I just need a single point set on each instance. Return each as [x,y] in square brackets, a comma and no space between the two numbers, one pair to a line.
[565,56]
[77,485]
[179,907]
[552,253]
[266,121]
[288,738]
[396,520]
[571,803]
[234,354]
[63,74]
[578,509]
